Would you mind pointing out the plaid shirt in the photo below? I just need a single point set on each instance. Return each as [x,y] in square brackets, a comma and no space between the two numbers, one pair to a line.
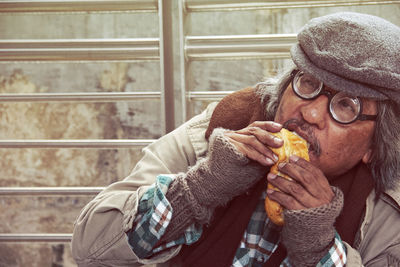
[259,241]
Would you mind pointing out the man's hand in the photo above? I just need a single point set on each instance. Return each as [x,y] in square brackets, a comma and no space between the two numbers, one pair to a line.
[308,189]
[311,208]
[254,140]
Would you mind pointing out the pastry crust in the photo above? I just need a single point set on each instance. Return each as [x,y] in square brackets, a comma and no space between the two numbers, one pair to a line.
[292,145]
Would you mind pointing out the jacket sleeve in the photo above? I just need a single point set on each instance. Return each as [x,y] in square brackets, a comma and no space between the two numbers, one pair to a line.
[155,214]
[99,236]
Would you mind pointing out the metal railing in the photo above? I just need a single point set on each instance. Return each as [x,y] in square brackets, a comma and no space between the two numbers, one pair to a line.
[49,191]
[274,46]
[230,5]
[207,95]
[28,237]
[100,143]
[191,48]
[238,46]
[81,50]
[80,97]
[78,6]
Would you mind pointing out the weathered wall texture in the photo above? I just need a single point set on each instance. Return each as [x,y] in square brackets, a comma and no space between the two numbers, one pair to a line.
[131,120]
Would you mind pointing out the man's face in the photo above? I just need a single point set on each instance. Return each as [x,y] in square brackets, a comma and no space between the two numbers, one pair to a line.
[335,147]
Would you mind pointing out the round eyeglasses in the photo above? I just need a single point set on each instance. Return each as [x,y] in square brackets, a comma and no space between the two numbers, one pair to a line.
[342,107]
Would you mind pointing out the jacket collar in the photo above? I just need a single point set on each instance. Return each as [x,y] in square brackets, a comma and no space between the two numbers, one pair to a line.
[392,197]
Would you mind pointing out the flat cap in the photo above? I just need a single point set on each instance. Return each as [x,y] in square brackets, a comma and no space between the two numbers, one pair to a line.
[352,52]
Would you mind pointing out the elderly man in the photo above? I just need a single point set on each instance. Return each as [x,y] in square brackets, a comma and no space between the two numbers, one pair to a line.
[197,196]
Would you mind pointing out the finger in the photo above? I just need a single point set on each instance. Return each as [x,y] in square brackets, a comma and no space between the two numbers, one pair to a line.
[251,142]
[309,176]
[294,189]
[269,126]
[262,135]
[309,167]
[285,200]
[317,177]
[251,153]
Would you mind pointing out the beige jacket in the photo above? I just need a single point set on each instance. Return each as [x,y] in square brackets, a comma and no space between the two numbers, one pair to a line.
[100,239]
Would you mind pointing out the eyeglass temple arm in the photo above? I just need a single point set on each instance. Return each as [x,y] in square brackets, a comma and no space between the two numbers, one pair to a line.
[364,117]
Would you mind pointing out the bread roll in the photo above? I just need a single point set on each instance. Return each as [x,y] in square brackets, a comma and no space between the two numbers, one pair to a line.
[292,145]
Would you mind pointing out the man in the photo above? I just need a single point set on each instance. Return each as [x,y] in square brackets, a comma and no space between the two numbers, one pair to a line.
[197,196]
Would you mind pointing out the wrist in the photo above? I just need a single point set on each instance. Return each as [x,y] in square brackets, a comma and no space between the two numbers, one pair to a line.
[185,204]
[308,234]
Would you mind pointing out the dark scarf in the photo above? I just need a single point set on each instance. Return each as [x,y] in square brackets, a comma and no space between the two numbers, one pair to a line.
[220,240]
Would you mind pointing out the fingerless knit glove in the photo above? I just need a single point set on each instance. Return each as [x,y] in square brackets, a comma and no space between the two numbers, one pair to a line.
[308,234]
[223,174]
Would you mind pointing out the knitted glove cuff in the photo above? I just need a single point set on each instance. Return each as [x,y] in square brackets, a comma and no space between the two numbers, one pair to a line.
[183,201]
[223,174]
[308,234]
[222,151]
[185,209]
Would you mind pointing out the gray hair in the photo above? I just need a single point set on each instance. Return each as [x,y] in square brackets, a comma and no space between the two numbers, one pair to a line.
[385,158]
[271,91]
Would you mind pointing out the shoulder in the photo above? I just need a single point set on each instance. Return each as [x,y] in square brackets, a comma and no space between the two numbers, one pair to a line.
[381,231]
[237,110]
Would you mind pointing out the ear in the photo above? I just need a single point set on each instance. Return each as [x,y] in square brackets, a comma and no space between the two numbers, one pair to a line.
[367,156]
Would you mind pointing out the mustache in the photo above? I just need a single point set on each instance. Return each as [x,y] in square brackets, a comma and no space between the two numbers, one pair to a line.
[306,131]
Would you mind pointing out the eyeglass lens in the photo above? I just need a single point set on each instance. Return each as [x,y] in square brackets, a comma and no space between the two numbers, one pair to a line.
[342,107]
[306,85]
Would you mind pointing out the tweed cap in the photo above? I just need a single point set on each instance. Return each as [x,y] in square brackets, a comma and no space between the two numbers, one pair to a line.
[352,52]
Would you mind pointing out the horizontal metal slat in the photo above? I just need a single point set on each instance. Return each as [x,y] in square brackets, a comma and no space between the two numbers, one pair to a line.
[12,191]
[79,6]
[228,5]
[27,237]
[79,97]
[207,95]
[79,49]
[101,143]
[79,43]
[239,46]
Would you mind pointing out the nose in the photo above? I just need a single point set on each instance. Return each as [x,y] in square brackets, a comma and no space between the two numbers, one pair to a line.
[316,111]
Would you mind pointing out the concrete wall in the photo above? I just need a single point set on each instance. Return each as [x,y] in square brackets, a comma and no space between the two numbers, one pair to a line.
[122,120]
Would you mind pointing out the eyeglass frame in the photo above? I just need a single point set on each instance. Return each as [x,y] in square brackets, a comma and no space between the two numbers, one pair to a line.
[330,95]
